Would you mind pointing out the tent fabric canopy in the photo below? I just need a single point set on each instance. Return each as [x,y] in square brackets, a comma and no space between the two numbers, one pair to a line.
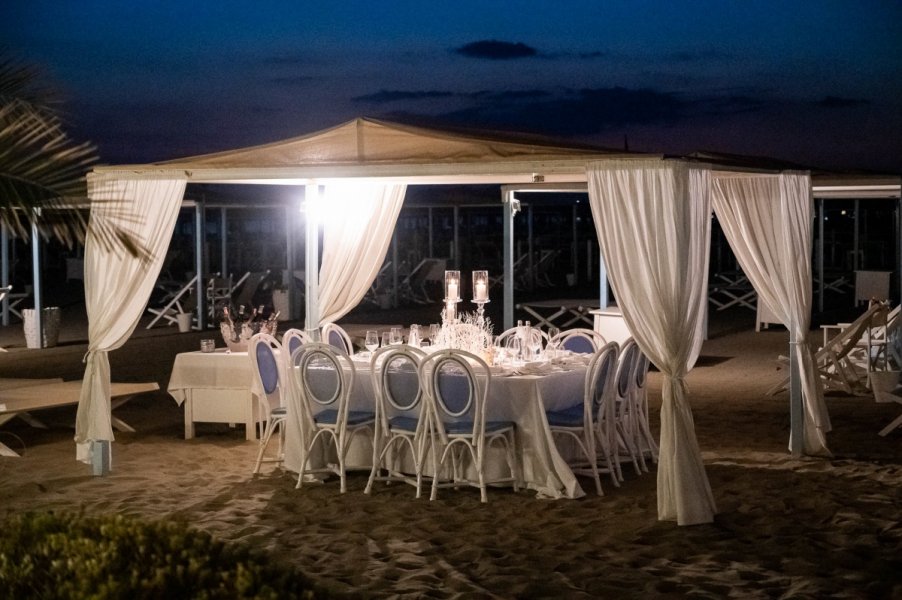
[381,151]
[370,148]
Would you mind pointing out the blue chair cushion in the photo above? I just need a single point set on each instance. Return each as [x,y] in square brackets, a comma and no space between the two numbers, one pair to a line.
[355,417]
[403,423]
[467,427]
[569,417]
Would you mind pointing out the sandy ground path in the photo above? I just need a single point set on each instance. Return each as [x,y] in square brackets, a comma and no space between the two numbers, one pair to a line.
[803,528]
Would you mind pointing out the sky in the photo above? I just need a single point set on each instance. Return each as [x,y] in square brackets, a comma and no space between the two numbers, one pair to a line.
[813,82]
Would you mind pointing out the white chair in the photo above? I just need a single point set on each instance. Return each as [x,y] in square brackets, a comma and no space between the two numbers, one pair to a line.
[589,422]
[293,339]
[645,440]
[402,417]
[579,340]
[263,350]
[336,336]
[624,409]
[325,380]
[537,336]
[456,384]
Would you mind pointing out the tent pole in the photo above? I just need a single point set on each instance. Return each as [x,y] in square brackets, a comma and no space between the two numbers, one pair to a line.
[602,282]
[199,264]
[36,276]
[820,256]
[223,242]
[394,271]
[511,206]
[4,276]
[290,243]
[431,252]
[530,249]
[855,240]
[311,261]
[455,260]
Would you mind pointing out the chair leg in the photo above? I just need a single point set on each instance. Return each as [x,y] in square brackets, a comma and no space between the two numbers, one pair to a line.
[263,443]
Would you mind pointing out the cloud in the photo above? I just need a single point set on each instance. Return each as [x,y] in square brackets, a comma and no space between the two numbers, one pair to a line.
[292,81]
[496,50]
[840,102]
[385,96]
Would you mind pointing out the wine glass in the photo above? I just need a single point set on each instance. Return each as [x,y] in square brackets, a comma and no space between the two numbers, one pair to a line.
[372,341]
[553,332]
[413,338]
[386,339]
[434,330]
[513,348]
[395,336]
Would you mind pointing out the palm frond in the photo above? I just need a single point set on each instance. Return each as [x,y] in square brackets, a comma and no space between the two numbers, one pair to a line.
[42,169]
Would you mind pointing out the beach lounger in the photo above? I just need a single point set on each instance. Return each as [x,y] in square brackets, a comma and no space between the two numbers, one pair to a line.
[30,396]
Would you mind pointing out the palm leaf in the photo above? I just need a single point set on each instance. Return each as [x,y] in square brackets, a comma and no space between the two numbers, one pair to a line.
[42,170]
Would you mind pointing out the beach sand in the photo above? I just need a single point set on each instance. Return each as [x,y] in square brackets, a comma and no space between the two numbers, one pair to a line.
[799,528]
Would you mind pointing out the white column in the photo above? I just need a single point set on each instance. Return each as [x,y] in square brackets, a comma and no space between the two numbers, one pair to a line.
[311,260]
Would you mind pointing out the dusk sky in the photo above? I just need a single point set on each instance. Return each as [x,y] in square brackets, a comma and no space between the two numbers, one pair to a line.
[812,82]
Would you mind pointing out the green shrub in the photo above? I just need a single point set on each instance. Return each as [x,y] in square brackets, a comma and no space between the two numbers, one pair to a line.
[44,555]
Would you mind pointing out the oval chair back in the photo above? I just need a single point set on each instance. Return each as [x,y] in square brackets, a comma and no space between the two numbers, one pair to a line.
[600,377]
[325,375]
[265,354]
[262,350]
[336,336]
[579,340]
[626,417]
[294,339]
[401,417]
[449,380]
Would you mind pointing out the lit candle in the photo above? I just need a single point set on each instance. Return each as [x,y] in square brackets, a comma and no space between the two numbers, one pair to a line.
[452,290]
[481,292]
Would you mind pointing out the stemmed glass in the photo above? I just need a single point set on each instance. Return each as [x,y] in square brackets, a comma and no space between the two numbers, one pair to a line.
[386,339]
[395,336]
[434,330]
[372,341]
[553,332]
[413,338]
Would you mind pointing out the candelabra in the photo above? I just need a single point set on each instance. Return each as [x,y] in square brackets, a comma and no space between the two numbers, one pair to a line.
[452,296]
[480,294]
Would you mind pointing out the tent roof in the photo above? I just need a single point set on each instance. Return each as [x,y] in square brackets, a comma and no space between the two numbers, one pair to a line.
[379,149]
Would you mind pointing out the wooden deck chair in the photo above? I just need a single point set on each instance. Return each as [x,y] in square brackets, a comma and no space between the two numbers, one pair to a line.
[544,266]
[220,289]
[836,368]
[181,301]
[378,287]
[887,388]
[244,296]
[413,286]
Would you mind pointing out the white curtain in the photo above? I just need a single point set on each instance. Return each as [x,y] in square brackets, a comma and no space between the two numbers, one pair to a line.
[358,221]
[653,223]
[767,220]
[118,285]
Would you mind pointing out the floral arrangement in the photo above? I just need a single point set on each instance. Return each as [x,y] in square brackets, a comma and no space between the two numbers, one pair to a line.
[238,327]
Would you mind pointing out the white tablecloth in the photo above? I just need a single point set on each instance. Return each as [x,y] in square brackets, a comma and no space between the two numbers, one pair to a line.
[215,370]
[521,399]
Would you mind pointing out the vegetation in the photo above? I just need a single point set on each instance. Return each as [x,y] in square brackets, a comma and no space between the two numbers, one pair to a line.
[43,555]
[42,169]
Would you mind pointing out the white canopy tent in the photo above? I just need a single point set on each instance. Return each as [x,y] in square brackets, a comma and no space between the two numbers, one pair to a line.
[658,200]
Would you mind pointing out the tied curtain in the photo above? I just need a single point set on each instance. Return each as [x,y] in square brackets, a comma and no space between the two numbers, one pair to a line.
[355,241]
[767,220]
[653,223]
[118,285]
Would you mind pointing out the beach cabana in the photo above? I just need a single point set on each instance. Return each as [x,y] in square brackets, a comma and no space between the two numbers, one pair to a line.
[652,216]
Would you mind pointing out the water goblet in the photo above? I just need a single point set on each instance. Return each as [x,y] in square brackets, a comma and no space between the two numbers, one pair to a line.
[413,338]
[372,341]
[386,339]
[395,336]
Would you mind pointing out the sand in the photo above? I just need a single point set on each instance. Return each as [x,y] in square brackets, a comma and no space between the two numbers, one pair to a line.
[799,528]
